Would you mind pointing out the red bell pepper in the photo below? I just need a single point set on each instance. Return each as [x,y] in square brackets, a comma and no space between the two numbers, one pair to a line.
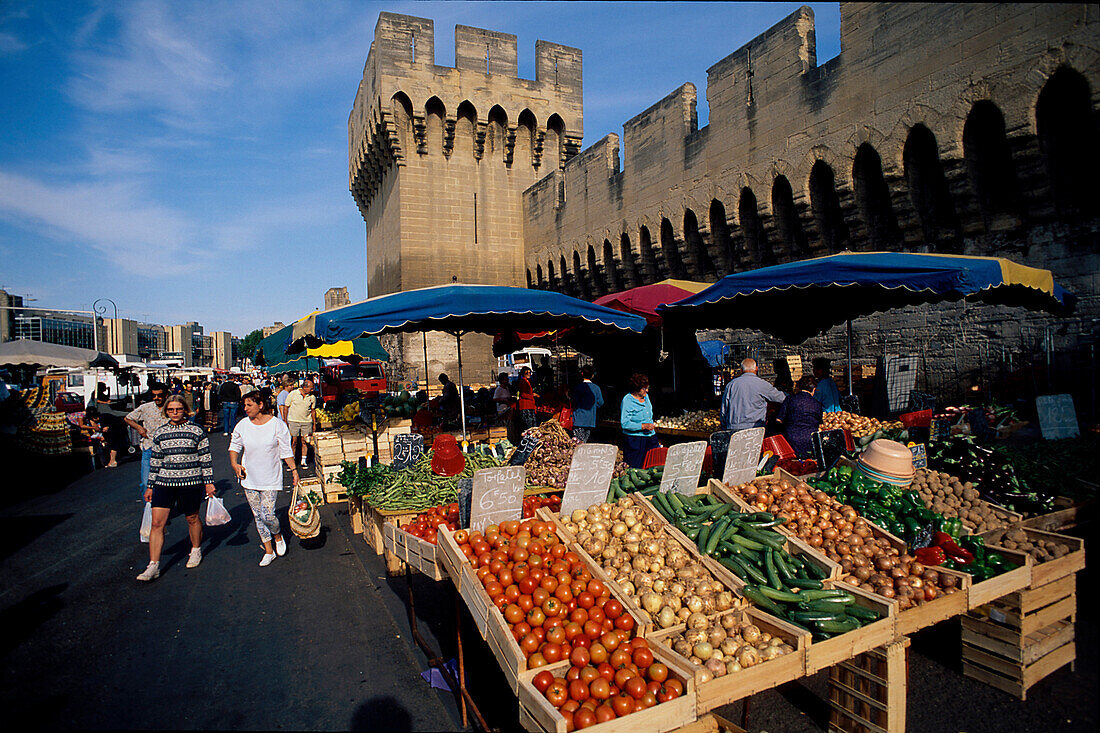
[951,548]
[930,555]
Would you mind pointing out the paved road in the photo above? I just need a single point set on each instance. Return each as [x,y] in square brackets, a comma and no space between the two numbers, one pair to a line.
[307,643]
[320,639]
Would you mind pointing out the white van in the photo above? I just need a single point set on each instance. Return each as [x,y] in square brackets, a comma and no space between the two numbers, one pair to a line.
[510,364]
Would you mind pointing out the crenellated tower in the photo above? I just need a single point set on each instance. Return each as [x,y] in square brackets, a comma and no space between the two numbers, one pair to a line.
[439,157]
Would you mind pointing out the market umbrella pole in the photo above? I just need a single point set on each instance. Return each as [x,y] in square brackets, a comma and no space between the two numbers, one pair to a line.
[461,395]
[849,357]
[427,376]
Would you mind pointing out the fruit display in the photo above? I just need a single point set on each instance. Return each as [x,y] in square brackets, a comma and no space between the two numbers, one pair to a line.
[864,427]
[783,584]
[947,495]
[990,472]
[649,565]
[548,464]
[415,488]
[553,605]
[426,525]
[866,560]
[630,679]
[726,644]
[1041,548]
[400,405]
[532,504]
[703,421]
[332,417]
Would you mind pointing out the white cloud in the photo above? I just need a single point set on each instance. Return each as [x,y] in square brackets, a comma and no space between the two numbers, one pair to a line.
[11,44]
[137,235]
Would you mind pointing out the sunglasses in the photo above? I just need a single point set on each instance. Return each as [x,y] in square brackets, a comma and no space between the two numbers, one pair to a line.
[175,409]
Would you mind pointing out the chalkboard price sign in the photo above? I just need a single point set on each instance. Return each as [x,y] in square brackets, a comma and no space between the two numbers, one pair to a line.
[683,464]
[829,446]
[497,496]
[465,492]
[589,476]
[920,455]
[743,456]
[719,446]
[407,449]
[1057,418]
[527,445]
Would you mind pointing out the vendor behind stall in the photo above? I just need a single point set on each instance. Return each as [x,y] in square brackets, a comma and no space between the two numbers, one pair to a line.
[826,391]
[636,418]
[800,416]
[745,401]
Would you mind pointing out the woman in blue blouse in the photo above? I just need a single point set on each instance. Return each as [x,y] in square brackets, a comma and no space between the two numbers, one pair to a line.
[636,419]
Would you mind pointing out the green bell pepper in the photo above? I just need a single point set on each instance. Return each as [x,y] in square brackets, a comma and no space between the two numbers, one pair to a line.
[953,527]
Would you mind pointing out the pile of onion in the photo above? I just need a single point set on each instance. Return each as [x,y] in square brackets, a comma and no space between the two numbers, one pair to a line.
[846,538]
[725,645]
[651,568]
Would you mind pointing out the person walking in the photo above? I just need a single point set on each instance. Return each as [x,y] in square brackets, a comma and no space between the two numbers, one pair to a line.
[146,418]
[301,416]
[502,398]
[179,469]
[587,399]
[636,421]
[230,396]
[826,391]
[208,407]
[525,400]
[287,386]
[745,401]
[265,442]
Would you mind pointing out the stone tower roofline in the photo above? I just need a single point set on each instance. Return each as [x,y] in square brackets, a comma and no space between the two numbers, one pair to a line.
[403,92]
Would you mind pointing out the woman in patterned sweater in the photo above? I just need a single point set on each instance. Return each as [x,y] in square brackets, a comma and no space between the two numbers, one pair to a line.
[179,468]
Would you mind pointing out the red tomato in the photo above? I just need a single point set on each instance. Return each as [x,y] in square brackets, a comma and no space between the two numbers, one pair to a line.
[557,693]
[624,622]
[643,658]
[580,657]
[584,718]
[551,652]
[605,713]
[613,609]
[598,653]
[657,672]
[537,660]
[600,688]
[623,705]
[636,688]
[542,680]
[606,671]
[578,690]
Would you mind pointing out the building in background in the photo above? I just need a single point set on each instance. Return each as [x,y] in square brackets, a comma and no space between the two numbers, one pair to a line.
[336,297]
[222,357]
[181,342]
[268,330]
[152,341]
[8,304]
[59,328]
[122,336]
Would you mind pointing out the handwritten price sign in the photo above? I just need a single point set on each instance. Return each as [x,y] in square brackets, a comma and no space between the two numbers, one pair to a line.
[497,496]
[589,476]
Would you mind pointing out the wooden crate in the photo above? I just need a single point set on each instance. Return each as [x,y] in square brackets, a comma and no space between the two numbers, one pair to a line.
[764,676]
[1067,515]
[449,557]
[497,434]
[355,512]
[822,654]
[539,716]
[1005,583]
[868,692]
[1046,572]
[418,554]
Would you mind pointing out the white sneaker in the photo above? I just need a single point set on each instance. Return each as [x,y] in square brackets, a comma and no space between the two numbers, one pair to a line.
[280,547]
[303,463]
[152,572]
[268,559]
[194,558]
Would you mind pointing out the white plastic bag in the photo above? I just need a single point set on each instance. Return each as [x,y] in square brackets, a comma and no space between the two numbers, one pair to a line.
[146,522]
[216,513]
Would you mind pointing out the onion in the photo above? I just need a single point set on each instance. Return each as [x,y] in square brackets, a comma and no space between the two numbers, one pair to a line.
[716,667]
[578,515]
[666,618]
[619,529]
[716,635]
[672,601]
[732,666]
[724,601]
[651,602]
[695,636]
[748,656]
[683,614]
[729,646]
[697,621]
[751,634]
[694,604]
[681,647]
[703,650]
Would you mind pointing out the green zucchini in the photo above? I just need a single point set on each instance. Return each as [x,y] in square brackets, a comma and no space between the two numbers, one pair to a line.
[780,595]
[767,537]
[756,595]
[815,595]
[861,613]
[704,533]
[751,570]
[769,569]
[839,626]
[806,583]
[746,542]
[812,616]
[781,568]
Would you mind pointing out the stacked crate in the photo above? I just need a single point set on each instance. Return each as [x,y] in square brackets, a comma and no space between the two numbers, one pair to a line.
[868,691]
[1017,640]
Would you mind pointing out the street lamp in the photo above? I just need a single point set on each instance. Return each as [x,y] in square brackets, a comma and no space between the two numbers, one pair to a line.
[101,310]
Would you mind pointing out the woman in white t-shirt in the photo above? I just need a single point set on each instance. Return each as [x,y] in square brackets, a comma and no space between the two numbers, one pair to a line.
[265,441]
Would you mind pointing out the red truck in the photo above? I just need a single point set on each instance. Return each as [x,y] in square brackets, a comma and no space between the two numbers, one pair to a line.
[368,378]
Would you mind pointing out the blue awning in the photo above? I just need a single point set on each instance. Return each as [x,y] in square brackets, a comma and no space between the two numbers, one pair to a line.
[797,300]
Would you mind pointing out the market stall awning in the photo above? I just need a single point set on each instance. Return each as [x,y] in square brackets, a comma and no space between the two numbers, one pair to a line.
[22,352]
[644,299]
[367,347]
[458,308]
[797,300]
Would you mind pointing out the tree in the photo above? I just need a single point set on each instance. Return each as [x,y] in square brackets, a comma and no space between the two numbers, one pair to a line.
[249,343]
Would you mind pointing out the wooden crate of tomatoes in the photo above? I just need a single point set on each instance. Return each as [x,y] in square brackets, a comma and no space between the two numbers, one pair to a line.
[534,599]
[640,687]
[414,541]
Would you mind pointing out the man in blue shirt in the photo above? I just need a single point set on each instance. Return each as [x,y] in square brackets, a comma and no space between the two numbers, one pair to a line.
[826,392]
[745,402]
[587,398]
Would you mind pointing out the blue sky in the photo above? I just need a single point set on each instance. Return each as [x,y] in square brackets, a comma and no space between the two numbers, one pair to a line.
[189,159]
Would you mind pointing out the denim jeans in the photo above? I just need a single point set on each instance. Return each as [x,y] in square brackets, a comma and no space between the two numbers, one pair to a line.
[146,455]
[229,416]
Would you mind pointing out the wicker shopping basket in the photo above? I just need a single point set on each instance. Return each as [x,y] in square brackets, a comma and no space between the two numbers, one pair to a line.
[312,526]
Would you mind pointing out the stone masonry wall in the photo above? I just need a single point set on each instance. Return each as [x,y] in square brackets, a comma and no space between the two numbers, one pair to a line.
[955,128]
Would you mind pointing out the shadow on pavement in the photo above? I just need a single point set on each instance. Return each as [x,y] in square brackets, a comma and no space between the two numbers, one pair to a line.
[21,619]
[21,531]
[381,713]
